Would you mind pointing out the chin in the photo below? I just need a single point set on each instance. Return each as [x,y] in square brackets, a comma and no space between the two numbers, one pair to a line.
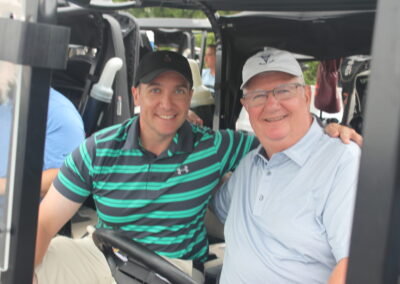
[168,130]
[274,134]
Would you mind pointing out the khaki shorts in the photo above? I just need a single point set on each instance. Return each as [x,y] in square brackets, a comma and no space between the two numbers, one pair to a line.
[70,261]
[73,261]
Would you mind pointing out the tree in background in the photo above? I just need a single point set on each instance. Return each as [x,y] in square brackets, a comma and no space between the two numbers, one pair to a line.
[310,72]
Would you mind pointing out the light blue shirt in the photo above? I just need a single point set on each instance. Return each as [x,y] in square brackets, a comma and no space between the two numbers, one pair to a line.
[208,80]
[288,219]
[64,130]
[6,113]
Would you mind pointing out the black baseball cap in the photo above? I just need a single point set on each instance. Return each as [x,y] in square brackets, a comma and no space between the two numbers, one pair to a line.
[157,62]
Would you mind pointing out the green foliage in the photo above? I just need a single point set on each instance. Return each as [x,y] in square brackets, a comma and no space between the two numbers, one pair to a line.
[210,38]
[310,72]
[163,12]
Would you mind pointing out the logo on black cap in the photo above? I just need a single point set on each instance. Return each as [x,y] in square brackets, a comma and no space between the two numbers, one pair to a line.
[167,58]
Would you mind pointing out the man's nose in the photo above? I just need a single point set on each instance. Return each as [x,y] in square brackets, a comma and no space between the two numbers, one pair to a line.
[271,101]
[167,100]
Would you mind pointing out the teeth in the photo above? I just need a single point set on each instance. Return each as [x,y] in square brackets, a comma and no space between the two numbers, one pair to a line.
[167,116]
[275,118]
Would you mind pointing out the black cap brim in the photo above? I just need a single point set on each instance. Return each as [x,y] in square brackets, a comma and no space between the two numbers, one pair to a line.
[152,75]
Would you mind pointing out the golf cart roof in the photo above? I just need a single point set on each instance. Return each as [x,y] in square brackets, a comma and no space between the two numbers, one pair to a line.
[321,35]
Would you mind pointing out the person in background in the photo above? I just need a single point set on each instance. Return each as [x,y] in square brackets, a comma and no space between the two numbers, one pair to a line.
[64,132]
[208,74]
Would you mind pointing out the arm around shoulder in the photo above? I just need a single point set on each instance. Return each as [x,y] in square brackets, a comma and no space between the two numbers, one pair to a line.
[346,134]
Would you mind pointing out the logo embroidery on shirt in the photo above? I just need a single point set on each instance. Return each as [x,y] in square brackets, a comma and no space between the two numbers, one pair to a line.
[181,170]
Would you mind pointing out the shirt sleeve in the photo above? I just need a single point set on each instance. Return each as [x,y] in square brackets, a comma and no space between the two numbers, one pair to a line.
[221,201]
[74,179]
[339,207]
[232,147]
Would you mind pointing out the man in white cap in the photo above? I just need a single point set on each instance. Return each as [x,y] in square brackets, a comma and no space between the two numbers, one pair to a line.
[288,207]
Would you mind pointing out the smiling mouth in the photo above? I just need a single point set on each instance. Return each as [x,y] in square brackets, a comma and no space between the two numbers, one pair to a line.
[276,118]
[167,116]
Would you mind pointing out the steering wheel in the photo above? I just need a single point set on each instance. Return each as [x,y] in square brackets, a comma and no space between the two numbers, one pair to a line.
[108,239]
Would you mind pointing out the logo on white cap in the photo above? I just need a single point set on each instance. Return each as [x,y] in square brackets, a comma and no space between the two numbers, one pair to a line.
[270,59]
[265,57]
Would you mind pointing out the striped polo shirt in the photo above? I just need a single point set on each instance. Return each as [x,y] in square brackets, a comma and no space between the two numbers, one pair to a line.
[159,201]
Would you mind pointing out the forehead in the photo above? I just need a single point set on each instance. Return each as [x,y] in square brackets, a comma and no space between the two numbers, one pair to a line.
[210,50]
[270,80]
[170,78]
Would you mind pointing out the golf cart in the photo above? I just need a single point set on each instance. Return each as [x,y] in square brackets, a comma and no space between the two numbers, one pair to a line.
[314,25]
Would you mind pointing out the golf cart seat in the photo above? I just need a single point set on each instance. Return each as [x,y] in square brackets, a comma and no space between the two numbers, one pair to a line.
[202,101]
[354,74]
[95,38]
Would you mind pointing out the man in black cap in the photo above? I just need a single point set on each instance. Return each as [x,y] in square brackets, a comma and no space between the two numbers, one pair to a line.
[151,178]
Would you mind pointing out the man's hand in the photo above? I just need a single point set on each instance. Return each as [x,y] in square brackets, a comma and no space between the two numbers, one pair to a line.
[338,275]
[2,186]
[345,133]
[193,118]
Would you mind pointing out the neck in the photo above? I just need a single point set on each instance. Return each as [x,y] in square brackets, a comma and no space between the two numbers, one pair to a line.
[155,146]
[212,71]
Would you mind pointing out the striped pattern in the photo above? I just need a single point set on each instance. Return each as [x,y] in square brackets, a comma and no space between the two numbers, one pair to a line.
[158,201]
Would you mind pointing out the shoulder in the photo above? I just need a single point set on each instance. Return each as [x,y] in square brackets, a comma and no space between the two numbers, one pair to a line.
[334,150]
[62,109]
[56,99]
[202,133]
[114,133]
[336,144]
[205,71]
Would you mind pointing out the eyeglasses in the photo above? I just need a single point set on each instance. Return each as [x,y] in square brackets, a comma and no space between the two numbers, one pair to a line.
[280,93]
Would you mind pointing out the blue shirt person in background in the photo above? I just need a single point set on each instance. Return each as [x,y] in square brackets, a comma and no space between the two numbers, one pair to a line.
[208,74]
[288,207]
[64,132]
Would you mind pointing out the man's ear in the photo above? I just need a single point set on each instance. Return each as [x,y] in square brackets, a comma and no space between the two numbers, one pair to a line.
[307,93]
[244,104]
[135,94]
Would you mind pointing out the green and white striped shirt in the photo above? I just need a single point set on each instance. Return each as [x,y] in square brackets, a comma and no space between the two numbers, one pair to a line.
[159,201]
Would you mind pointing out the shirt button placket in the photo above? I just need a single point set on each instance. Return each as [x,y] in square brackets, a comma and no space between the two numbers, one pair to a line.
[260,203]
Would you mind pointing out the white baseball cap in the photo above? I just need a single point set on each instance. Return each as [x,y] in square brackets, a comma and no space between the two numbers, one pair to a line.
[270,59]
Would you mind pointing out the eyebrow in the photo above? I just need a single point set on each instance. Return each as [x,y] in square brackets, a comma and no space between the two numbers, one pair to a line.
[176,87]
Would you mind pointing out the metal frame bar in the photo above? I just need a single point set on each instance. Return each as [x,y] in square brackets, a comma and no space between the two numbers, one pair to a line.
[29,141]
[213,16]
[374,253]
